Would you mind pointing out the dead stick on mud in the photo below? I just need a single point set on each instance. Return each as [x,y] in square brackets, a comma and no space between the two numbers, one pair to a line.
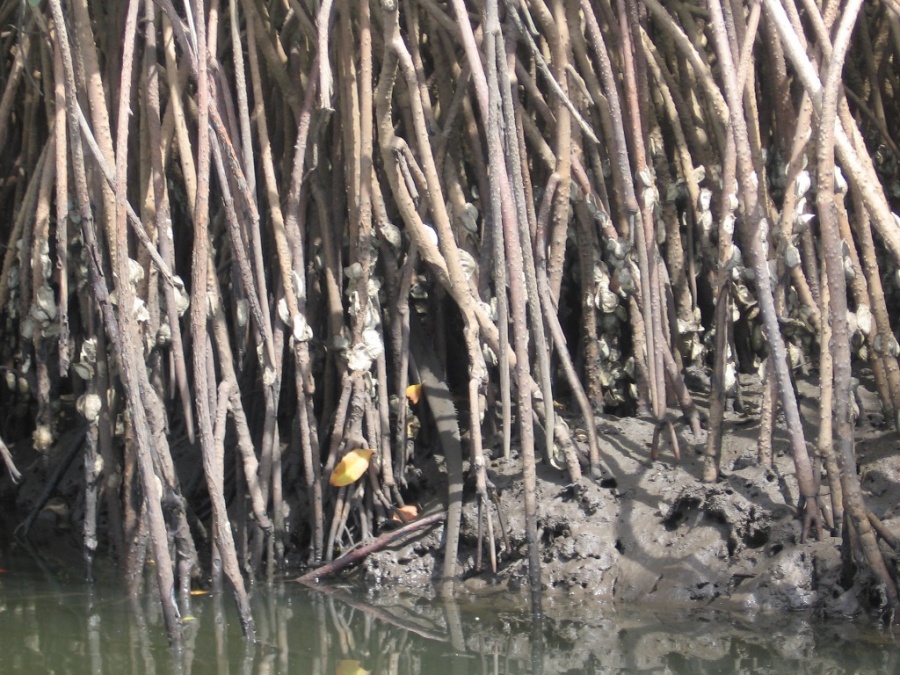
[375,545]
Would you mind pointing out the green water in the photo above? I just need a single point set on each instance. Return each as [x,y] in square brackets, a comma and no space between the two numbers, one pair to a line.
[51,622]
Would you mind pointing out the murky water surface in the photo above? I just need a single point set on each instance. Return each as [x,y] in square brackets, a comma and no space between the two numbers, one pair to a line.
[51,622]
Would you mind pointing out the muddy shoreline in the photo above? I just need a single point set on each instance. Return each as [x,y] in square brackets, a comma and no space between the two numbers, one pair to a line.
[649,533]
[653,533]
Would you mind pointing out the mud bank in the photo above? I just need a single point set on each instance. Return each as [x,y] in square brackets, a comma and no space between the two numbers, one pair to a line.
[654,533]
[649,533]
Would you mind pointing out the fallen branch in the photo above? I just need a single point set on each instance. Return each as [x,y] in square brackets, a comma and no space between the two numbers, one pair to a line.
[377,544]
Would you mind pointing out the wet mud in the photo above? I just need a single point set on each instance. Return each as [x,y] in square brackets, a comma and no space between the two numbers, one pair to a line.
[651,532]
[648,532]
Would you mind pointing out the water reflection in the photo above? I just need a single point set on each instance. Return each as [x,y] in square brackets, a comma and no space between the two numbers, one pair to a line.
[50,623]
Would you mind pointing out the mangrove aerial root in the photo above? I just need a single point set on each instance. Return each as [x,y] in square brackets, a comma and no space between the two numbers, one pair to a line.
[240,235]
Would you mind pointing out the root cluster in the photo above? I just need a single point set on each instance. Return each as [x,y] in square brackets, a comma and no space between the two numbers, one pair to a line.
[250,226]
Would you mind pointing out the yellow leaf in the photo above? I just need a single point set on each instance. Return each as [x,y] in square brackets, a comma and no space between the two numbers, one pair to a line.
[405,514]
[351,468]
[414,393]
[349,667]
[199,591]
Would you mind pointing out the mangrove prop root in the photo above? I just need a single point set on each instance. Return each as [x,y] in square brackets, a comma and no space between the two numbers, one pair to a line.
[234,229]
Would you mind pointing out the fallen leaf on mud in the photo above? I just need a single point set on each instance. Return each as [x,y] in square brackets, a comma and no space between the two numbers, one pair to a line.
[351,467]
[199,591]
[350,667]
[405,514]
[414,393]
